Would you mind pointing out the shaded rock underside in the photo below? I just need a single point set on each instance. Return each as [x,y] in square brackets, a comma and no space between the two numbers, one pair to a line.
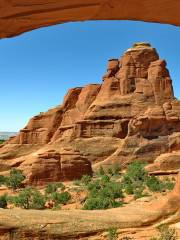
[18,16]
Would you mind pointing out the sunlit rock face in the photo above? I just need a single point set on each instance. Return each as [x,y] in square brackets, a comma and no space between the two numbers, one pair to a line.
[132,115]
[18,16]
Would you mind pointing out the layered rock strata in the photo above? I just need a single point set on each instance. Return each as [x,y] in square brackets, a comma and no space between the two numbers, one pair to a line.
[132,115]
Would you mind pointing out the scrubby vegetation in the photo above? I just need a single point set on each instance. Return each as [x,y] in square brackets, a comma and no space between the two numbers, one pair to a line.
[3,201]
[53,187]
[136,181]
[156,185]
[15,179]
[28,198]
[2,141]
[31,198]
[2,180]
[60,198]
[105,191]
[112,233]
[166,233]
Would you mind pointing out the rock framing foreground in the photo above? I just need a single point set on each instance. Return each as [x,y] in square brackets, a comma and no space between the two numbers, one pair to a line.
[18,16]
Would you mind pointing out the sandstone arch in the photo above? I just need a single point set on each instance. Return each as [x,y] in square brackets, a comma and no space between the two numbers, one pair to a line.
[18,16]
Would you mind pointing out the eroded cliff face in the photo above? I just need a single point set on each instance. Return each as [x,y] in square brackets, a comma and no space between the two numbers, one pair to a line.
[18,16]
[132,115]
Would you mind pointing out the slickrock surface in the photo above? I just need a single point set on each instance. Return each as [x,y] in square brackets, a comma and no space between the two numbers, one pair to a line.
[18,16]
[132,115]
[80,224]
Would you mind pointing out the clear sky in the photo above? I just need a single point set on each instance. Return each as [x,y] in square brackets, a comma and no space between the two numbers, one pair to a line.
[37,68]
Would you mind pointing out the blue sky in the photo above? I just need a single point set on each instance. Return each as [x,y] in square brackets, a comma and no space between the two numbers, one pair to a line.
[38,67]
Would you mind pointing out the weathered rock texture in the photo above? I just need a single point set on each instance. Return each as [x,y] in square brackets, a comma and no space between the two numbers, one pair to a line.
[18,16]
[132,115]
[77,224]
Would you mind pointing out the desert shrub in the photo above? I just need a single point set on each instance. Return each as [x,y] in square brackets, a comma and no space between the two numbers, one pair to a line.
[77,182]
[93,203]
[53,187]
[110,171]
[154,184]
[60,198]
[114,170]
[112,233]
[3,201]
[2,180]
[134,179]
[105,179]
[38,201]
[29,198]
[15,179]
[86,179]
[101,171]
[166,233]
[103,194]
[168,184]
[2,141]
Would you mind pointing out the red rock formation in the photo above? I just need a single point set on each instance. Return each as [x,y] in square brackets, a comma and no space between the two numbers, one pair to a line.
[132,115]
[17,16]
[52,166]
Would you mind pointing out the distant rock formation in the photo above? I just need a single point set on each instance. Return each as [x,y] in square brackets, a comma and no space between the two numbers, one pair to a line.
[132,115]
[7,135]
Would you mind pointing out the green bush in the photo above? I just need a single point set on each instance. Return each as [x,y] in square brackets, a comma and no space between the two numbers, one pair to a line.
[38,201]
[134,179]
[29,198]
[99,202]
[101,171]
[112,233]
[168,184]
[86,179]
[166,233]
[60,198]
[103,194]
[2,141]
[15,179]
[53,187]
[3,201]
[114,170]
[2,180]
[105,179]
[154,184]
[77,182]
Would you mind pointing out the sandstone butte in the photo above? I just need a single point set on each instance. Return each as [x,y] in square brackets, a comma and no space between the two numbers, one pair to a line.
[132,115]
[18,16]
